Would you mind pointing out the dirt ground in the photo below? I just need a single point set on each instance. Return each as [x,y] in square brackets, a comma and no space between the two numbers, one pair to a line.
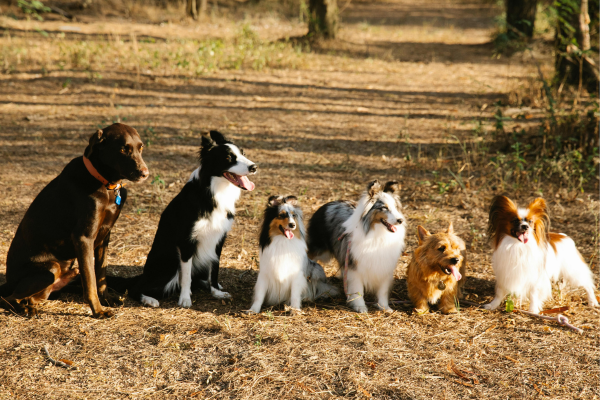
[395,97]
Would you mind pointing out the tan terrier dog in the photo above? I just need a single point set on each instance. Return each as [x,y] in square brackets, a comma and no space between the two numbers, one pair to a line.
[435,271]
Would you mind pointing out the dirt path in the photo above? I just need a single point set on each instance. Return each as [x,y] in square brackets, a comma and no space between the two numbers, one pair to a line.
[395,98]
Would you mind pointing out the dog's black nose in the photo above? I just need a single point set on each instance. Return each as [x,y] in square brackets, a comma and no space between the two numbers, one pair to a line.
[454,261]
[292,225]
[524,227]
[252,168]
[400,222]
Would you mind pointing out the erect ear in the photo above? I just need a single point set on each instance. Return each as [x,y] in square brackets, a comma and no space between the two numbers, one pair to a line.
[275,201]
[218,137]
[392,187]
[538,206]
[373,188]
[291,200]
[96,138]
[206,144]
[450,230]
[422,233]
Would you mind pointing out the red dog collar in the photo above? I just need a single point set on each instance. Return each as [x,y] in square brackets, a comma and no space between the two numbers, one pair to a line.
[96,174]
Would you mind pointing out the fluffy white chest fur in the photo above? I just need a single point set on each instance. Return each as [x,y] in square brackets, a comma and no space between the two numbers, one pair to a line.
[209,231]
[520,268]
[376,254]
[282,265]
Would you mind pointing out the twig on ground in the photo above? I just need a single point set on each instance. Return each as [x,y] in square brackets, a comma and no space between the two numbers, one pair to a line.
[57,363]
[560,319]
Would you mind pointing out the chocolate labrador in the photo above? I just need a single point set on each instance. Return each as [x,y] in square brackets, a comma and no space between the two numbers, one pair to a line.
[70,220]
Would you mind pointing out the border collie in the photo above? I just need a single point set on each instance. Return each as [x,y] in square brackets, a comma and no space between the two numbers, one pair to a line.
[286,273]
[373,230]
[528,257]
[194,226]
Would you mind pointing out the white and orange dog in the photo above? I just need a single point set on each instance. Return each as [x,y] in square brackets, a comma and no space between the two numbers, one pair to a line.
[528,258]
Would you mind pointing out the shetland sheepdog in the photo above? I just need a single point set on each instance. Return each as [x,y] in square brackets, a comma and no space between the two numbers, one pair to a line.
[528,258]
[366,240]
[436,272]
[193,228]
[286,274]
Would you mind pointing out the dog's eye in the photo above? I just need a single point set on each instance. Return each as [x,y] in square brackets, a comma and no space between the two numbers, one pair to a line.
[124,150]
[442,249]
[228,158]
[141,148]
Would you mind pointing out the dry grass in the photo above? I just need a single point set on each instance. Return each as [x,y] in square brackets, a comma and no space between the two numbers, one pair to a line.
[318,129]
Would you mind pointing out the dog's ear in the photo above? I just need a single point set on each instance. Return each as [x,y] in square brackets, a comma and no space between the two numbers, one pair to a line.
[392,187]
[95,139]
[218,137]
[538,206]
[422,233]
[450,230]
[373,188]
[275,201]
[206,144]
[291,200]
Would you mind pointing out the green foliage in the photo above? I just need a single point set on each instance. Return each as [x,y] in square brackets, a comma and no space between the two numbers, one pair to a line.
[33,8]
[510,304]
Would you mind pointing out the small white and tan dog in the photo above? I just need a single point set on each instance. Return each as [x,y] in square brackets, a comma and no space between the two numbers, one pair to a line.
[528,258]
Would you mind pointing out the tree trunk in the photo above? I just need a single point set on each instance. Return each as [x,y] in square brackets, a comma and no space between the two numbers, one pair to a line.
[323,19]
[203,8]
[520,18]
[191,8]
[573,62]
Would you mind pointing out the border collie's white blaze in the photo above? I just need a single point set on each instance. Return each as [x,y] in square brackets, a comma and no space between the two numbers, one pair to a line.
[193,228]
[375,229]
[286,274]
[527,258]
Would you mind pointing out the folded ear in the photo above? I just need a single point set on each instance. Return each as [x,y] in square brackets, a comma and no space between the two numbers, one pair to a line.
[218,137]
[450,229]
[422,233]
[275,201]
[392,187]
[291,200]
[373,188]
[96,138]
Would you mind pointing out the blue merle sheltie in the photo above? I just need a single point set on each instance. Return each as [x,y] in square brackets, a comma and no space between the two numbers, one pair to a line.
[286,274]
[366,240]
[193,228]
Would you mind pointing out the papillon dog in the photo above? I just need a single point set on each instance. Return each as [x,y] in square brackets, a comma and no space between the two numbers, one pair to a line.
[286,273]
[366,240]
[528,258]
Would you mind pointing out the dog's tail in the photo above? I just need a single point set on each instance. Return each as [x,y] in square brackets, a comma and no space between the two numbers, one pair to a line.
[323,290]
[120,284]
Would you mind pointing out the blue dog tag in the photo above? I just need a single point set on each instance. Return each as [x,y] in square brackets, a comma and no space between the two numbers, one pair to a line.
[118,197]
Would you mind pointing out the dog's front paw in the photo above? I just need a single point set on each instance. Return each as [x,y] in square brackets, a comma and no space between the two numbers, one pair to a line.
[361,309]
[185,302]
[217,294]
[452,310]
[296,311]
[250,312]
[385,308]
[104,314]
[489,307]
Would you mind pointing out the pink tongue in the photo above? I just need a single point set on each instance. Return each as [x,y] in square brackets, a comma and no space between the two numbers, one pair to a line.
[288,234]
[246,184]
[393,228]
[523,237]
[455,273]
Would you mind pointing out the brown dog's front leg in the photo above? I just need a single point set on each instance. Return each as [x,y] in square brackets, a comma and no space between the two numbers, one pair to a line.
[85,257]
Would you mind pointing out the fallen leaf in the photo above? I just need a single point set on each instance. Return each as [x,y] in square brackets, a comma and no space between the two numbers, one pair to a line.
[363,391]
[192,331]
[371,364]
[68,362]
[512,359]
[161,337]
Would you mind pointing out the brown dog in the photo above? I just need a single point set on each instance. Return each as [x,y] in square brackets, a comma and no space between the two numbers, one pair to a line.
[70,220]
[435,271]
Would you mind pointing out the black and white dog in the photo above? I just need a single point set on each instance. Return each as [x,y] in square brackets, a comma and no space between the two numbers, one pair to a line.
[286,274]
[373,230]
[194,226]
